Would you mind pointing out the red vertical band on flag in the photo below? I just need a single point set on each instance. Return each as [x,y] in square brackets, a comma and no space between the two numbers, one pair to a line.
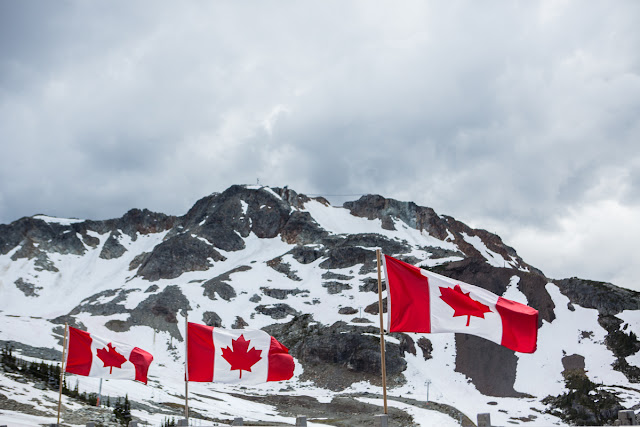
[79,357]
[141,360]
[281,364]
[519,325]
[201,352]
[408,303]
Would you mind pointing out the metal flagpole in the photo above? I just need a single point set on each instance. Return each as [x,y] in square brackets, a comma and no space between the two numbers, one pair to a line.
[382,358]
[99,393]
[64,353]
[186,366]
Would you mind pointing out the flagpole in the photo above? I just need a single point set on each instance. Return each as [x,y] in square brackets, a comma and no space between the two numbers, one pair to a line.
[64,353]
[186,366]
[382,358]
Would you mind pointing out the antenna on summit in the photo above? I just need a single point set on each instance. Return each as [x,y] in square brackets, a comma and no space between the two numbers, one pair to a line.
[257,181]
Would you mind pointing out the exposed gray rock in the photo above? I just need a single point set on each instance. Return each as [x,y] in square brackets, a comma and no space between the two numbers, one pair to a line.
[330,275]
[573,362]
[97,305]
[224,290]
[138,260]
[307,254]
[30,351]
[218,285]
[491,367]
[438,252]
[407,345]
[28,289]
[348,256]
[371,285]
[158,311]
[239,323]
[178,255]
[143,221]
[151,288]
[112,247]
[282,267]
[255,298]
[374,308]
[345,354]
[420,218]
[347,310]
[336,287]
[608,299]
[282,294]
[426,347]
[302,229]
[224,219]
[117,325]
[43,263]
[622,344]
[277,311]
[210,318]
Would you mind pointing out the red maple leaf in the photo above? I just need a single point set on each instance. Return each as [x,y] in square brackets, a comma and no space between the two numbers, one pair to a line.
[111,357]
[462,303]
[240,357]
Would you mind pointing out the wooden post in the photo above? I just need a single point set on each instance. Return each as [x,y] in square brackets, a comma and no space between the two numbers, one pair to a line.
[186,366]
[382,358]
[64,353]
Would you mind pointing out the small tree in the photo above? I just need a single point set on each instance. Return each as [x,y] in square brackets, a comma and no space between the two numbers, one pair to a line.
[122,411]
[586,403]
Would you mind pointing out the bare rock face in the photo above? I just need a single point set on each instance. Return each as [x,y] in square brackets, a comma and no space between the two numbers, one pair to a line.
[284,268]
[218,285]
[389,211]
[158,311]
[573,363]
[112,247]
[301,229]
[491,367]
[344,354]
[177,255]
[27,288]
[277,311]
[224,219]
[605,297]
[143,221]
[211,318]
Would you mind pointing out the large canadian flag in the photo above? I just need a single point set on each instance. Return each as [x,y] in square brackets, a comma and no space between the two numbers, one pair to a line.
[92,356]
[422,301]
[246,356]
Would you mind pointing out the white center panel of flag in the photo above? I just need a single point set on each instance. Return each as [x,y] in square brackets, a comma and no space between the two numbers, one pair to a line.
[108,359]
[484,322]
[223,370]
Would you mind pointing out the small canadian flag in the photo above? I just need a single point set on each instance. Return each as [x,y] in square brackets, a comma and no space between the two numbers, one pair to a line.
[235,356]
[92,356]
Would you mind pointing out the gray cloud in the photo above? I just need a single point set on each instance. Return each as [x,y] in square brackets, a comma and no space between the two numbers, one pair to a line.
[507,116]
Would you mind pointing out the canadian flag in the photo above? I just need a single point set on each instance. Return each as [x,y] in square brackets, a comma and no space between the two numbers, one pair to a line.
[93,356]
[246,356]
[421,301]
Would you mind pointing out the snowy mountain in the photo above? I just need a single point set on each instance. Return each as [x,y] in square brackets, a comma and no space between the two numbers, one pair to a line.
[305,272]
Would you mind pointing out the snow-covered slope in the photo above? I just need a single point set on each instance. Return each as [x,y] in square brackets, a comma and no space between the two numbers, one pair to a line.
[261,257]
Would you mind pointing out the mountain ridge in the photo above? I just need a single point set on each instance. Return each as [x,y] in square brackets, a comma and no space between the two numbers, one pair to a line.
[294,265]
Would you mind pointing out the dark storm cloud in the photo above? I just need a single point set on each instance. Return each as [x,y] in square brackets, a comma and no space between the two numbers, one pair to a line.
[510,116]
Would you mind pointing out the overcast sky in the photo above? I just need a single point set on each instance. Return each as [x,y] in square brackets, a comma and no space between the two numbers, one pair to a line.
[522,118]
